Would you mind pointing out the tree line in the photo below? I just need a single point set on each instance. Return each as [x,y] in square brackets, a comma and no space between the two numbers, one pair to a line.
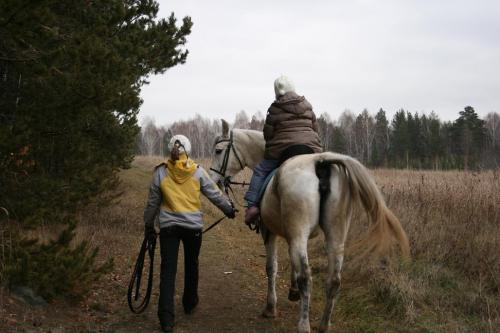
[408,140]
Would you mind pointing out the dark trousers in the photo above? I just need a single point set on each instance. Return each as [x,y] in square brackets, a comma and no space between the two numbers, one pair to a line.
[170,238]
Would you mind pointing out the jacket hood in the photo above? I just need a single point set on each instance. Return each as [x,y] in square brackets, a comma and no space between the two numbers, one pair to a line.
[182,169]
[292,103]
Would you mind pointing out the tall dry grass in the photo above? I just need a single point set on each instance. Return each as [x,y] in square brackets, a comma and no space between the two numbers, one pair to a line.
[452,218]
[453,222]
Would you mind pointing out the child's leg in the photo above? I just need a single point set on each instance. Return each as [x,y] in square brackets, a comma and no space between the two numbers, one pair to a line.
[261,171]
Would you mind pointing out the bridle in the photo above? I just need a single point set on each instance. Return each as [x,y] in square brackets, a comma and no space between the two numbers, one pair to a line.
[227,182]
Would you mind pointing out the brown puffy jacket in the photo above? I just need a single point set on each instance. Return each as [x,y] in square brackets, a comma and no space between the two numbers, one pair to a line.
[290,121]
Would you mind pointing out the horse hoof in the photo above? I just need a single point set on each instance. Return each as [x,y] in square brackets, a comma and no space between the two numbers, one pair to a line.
[269,312]
[293,295]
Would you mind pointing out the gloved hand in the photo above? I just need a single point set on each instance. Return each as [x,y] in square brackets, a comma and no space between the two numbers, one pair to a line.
[232,214]
[149,229]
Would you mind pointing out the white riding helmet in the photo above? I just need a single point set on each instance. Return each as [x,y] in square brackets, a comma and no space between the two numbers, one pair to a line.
[282,85]
[185,143]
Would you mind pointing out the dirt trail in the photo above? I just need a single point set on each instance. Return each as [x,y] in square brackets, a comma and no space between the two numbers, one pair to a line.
[229,302]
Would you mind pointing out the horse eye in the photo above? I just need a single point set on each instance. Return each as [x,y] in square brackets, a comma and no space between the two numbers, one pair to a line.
[218,151]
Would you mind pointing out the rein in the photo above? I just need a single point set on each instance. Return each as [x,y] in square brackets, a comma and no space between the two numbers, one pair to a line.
[214,224]
[149,245]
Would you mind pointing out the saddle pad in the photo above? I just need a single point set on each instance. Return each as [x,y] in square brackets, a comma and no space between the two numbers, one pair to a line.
[266,182]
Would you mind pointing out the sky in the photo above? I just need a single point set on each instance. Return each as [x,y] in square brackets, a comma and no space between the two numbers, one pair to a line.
[419,55]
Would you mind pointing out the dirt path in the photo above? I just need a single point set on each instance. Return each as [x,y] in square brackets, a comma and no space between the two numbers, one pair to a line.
[229,302]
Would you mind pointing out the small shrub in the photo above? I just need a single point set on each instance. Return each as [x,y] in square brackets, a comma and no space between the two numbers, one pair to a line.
[56,268]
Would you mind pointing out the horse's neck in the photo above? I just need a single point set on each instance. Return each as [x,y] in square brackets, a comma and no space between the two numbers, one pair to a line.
[250,145]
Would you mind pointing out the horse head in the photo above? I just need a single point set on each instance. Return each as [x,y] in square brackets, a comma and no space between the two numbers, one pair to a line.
[234,150]
[225,160]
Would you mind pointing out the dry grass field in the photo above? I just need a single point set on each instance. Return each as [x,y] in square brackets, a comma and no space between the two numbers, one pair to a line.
[451,284]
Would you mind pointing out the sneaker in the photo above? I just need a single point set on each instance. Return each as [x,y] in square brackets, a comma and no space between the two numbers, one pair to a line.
[251,214]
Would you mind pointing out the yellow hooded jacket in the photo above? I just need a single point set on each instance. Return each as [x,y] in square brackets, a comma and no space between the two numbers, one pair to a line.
[174,194]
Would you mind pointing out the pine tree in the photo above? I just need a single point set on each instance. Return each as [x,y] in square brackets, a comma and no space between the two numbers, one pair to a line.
[70,78]
[399,140]
[381,144]
[434,142]
[338,143]
[469,134]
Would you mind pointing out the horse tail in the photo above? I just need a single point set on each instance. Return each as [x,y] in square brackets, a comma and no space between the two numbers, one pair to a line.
[363,191]
[323,172]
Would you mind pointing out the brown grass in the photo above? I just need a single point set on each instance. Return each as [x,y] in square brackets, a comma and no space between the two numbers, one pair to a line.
[453,222]
[451,218]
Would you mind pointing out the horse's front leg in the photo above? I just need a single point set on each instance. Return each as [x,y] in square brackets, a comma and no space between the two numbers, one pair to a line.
[271,270]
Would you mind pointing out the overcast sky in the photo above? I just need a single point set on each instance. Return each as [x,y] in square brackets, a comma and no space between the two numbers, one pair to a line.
[420,55]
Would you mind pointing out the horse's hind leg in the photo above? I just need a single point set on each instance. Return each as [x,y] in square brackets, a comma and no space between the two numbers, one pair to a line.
[271,270]
[293,293]
[300,263]
[335,247]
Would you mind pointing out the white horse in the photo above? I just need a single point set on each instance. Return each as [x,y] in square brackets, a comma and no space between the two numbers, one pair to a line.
[309,193]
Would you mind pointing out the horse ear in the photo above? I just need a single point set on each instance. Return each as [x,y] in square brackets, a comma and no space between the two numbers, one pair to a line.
[225,128]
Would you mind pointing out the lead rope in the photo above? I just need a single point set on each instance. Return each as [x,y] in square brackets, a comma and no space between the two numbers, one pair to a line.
[149,245]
